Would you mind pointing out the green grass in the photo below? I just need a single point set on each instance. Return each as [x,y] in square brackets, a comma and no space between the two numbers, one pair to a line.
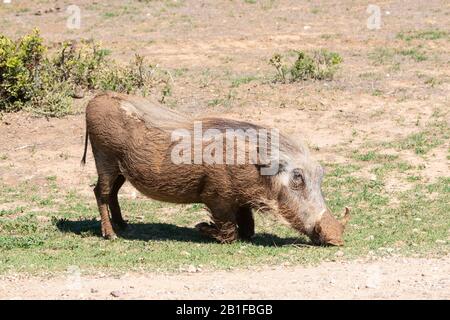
[423,35]
[391,56]
[236,82]
[422,142]
[47,229]
[381,55]
[415,54]
[373,156]
[110,14]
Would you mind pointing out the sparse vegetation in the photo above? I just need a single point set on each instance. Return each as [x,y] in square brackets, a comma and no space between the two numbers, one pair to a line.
[236,82]
[34,79]
[423,35]
[320,65]
[373,156]
[421,142]
[393,57]
[415,54]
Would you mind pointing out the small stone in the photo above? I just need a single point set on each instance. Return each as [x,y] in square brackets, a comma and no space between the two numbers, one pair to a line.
[191,269]
[94,290]
[78,93]
[116,293]
[339,253]
[43,219]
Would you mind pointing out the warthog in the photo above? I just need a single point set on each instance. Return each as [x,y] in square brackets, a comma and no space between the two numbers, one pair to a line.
[133,139]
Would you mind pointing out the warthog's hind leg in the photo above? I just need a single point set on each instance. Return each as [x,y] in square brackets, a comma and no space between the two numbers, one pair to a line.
[116,214]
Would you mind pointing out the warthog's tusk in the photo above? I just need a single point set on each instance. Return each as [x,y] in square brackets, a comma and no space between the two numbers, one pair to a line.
[321,213]
[346,217]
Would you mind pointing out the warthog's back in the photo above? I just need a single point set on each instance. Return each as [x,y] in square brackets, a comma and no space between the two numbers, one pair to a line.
[148,110]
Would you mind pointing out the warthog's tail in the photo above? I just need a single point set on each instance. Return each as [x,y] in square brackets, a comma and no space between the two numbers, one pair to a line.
[83,160]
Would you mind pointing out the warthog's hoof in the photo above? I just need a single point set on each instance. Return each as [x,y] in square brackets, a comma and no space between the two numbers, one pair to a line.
[207,229]
[227,232]
[246,234]
[109,236]
[246,237]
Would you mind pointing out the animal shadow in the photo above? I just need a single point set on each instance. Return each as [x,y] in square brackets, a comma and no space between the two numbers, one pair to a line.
[166,232]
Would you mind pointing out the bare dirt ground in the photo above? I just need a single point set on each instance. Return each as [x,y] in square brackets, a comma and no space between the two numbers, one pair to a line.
[214,42]
[395,278]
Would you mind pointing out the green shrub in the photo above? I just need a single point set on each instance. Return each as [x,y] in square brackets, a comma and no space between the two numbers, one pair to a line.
[34,80]
[320,65]
[19,69]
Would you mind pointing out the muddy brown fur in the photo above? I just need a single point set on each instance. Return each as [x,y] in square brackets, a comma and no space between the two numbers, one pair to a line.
[131,140]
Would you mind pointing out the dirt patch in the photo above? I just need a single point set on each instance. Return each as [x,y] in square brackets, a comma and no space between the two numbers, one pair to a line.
[393,278]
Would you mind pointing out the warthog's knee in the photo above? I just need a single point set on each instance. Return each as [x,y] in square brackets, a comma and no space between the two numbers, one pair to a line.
[222,232]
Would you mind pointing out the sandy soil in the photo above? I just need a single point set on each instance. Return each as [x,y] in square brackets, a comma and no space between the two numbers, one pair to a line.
[394,278]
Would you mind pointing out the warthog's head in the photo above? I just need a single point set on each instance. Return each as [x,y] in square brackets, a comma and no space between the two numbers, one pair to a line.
[301,202]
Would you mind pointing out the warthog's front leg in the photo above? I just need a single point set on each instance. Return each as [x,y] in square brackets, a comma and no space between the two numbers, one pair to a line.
[246,223]
[224,227]
[226,232]
[222,232]
[102,190]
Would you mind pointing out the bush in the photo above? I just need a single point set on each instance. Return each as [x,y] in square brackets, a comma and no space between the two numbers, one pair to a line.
[321,65]
[19,69]
[31,79]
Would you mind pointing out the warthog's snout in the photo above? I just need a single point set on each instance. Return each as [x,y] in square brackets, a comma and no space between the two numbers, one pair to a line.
[329,231]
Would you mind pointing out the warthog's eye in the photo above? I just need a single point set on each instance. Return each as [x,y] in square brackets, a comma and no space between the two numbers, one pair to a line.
[297,180]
